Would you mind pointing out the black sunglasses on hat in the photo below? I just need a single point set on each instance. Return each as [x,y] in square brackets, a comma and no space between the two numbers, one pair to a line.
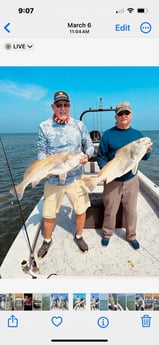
[60,105]
[124,112]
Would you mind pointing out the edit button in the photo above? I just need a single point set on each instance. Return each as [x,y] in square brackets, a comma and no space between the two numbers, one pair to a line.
[123,27]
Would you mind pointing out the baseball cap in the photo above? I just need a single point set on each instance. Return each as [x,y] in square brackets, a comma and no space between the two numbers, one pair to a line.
[61,96]
[123,106]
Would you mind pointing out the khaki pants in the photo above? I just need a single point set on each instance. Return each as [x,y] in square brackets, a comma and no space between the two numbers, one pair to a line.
[117,192]
[53,196]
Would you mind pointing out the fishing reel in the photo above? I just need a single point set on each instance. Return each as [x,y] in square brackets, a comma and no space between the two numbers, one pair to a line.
[26,269]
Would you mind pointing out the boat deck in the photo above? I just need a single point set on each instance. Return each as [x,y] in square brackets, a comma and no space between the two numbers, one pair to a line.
[64,258]
[118,259]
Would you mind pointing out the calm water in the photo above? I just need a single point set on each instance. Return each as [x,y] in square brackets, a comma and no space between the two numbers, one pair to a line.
[21,150]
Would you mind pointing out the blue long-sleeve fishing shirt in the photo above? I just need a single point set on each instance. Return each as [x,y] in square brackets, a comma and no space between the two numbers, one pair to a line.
[112,140]
[54,138]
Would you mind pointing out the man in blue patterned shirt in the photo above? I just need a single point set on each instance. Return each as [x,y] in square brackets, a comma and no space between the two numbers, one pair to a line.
[62,133]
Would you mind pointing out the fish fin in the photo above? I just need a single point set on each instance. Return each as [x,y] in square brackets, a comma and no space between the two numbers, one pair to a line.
[90,182]
[34,183]
[57,168]
[134,170]
[18,191]
[62,177]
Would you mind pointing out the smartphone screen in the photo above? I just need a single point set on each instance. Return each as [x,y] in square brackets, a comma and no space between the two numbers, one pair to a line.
[79,185]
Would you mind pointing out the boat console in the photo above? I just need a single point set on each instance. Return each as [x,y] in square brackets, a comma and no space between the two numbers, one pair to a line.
[92,167]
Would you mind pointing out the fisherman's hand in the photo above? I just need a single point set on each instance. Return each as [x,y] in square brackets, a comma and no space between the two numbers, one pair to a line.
[84,160]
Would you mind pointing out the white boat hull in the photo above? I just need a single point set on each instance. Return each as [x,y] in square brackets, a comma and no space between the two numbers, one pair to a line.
[64,259]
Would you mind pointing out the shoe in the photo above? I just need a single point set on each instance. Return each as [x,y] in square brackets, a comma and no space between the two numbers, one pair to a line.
[135,244]
[44,249]
[105,241]
[82,245]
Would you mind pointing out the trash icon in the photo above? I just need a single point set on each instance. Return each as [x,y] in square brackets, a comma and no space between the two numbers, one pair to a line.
[146,320]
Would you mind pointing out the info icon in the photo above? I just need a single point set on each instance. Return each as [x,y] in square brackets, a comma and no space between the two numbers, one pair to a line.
[103,322]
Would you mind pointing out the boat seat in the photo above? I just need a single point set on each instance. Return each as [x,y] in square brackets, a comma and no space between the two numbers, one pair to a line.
[92,167]
[95,136]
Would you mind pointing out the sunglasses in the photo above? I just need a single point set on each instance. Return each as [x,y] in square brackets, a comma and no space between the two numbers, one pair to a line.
[124,112]
[60,105]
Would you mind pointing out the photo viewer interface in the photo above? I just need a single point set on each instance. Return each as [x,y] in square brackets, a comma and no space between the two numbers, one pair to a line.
[95,56]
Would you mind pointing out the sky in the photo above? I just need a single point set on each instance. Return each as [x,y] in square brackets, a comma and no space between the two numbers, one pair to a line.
[26,94]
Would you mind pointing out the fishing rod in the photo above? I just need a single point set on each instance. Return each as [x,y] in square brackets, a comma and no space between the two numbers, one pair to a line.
[32,259]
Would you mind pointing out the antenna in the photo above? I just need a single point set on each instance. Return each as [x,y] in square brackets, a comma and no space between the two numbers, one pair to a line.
[100,104]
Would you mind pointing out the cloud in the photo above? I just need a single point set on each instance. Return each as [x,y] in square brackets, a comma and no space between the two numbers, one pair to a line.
[26,91]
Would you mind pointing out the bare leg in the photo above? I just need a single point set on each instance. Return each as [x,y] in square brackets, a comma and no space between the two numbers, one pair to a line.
[80,221]
[48,227]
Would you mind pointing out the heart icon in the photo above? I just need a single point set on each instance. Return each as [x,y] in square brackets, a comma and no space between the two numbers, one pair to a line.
[56,320]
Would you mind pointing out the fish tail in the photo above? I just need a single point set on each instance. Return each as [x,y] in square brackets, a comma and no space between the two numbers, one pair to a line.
[90,182]
[18,190]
